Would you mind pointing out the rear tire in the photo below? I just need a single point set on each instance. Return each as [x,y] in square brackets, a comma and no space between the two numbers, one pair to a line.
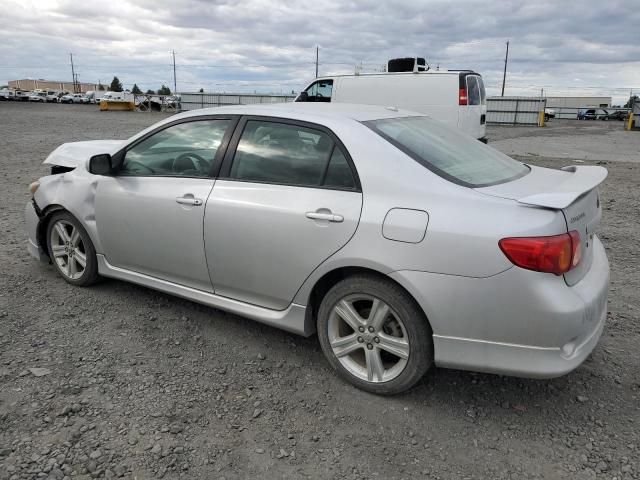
[374,334]
[71,250]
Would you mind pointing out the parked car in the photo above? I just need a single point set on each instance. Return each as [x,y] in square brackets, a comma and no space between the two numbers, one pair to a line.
[593,114]
[22,95]
[92,96]
[7,94]
[618,115]
[402,242]
[549,113]
[72,98]
[53,96]
[38,97]
[455,97]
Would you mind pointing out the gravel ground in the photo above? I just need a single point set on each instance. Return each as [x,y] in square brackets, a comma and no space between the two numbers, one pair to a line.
[122,381]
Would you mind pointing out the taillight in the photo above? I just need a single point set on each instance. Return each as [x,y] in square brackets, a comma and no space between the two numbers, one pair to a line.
[33,187]
[576,249]
[462,96]
[556,254]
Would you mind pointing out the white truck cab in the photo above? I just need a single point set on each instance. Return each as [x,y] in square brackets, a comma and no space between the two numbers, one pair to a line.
[455,97]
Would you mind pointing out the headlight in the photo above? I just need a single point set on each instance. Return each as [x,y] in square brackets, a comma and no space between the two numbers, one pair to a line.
[33,187]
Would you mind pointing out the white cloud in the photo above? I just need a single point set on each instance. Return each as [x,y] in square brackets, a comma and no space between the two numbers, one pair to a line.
[578,47]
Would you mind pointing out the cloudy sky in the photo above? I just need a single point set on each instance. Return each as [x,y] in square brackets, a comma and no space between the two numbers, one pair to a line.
[567,47]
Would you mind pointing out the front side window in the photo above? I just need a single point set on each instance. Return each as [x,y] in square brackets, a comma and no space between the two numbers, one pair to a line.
[280,153]
[186,149]
[447,152]
[320,91]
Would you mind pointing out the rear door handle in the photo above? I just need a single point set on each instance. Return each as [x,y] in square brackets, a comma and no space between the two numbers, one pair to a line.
[331,217]
[189,199]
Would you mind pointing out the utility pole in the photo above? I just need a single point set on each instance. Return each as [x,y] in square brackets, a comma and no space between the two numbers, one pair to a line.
[73,74]
[316,61]
[175,88]
[504,75]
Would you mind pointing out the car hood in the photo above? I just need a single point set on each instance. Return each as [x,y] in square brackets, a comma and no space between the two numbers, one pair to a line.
[78,153]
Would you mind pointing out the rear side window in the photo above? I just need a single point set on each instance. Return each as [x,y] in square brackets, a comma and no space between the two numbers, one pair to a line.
[473,90]
[339,173]
[447,152]
[280,153]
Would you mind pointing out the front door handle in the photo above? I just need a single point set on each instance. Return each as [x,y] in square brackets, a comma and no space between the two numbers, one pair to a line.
[189,199]
[331,217]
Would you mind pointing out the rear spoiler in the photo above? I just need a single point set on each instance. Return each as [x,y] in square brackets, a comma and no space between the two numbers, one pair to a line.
[583,180]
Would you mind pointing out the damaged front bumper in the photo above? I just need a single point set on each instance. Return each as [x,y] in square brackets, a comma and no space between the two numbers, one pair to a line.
[32,220]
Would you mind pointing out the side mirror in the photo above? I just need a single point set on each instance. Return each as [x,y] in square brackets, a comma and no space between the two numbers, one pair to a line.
[100,164]
[303,97]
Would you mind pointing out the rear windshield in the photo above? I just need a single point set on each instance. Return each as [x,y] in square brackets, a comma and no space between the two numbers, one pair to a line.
[483,94]
[447,152]
[473,90]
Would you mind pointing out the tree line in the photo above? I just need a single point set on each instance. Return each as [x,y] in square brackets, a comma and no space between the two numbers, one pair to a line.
[116,86]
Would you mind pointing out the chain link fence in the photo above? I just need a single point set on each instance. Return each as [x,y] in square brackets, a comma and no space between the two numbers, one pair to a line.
[515,110]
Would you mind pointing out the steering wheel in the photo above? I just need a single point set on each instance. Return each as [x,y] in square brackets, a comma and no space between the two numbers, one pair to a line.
[140,164]
[196,160]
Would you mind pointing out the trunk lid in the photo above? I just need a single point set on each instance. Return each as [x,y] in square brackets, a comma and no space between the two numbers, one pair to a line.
[572,190]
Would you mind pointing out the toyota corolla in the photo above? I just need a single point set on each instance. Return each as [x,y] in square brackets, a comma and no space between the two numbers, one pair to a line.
[401,242]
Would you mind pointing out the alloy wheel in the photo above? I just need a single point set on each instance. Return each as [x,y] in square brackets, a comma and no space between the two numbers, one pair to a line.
[68,249]
[368,338]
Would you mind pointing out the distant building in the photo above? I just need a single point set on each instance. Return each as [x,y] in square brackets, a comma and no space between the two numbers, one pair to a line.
[578,102]
[30,84]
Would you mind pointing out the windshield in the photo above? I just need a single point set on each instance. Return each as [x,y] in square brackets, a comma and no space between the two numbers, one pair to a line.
[447,152]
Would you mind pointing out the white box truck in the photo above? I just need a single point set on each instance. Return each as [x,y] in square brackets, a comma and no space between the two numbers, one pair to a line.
[110,96]
[455,97]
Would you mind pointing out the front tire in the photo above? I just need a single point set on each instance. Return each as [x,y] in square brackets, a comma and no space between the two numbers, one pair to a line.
[71,250]
[374,334]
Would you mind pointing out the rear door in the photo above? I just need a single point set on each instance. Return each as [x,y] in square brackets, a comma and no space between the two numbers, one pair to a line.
[287,198]
[472,116]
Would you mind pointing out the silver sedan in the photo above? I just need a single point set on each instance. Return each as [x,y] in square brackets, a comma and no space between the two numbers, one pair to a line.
[401,242]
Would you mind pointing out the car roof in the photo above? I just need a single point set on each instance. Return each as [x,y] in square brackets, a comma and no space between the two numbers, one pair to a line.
[331,115]
[308,111]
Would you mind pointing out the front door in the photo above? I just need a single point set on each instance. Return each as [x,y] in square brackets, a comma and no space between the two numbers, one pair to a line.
[286,201]
[150,214]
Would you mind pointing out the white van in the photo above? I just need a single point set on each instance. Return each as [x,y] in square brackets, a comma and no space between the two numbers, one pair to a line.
[455,97]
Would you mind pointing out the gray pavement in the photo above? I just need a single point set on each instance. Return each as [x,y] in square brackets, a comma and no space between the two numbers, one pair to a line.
[571,139]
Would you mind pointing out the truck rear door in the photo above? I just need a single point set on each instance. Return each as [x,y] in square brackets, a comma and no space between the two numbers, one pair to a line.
[472,105]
